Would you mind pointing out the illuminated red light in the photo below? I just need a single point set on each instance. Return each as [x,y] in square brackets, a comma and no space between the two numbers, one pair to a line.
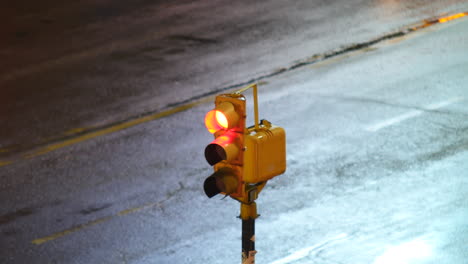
[215,120]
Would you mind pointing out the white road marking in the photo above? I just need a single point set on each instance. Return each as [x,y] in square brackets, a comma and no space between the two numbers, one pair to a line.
[394,120]
[409,252]
[444,103]
[411,114]
[306,251]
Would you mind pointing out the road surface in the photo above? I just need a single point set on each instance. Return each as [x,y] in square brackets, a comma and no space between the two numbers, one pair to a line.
[377,144]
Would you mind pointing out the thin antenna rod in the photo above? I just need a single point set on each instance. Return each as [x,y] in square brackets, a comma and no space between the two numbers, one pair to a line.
[255,96]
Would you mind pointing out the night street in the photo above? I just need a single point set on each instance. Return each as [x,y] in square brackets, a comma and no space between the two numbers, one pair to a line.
[103,134]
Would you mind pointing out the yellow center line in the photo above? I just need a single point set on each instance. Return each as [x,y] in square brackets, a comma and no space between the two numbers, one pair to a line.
[108,130]
[69,231]
[112,129]
[5,162]
[452,17]
[77,228]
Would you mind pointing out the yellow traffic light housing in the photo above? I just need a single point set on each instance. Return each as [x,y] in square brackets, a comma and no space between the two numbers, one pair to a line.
[251,155]
[227,122]
[265,155]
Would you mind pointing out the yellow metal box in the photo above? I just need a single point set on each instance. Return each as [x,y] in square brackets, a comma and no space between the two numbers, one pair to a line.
[265,154]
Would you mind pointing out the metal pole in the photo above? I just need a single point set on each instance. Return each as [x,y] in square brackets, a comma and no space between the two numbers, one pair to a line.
[255,107]
[248,216]
[248,241]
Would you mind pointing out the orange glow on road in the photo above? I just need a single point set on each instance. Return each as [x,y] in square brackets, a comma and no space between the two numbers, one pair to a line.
[448,18]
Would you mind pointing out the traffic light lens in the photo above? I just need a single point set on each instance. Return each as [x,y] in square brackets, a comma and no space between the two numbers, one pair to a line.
[222,148]
[221,119]
[215,120]
[214,153]
[224,116]
[224,180]
[211,187]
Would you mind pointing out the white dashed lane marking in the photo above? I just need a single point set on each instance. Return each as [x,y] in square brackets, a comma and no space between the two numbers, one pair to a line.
[411,114]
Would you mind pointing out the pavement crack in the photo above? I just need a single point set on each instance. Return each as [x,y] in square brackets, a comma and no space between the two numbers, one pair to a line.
[193,39]
[93,209]
[176,191]
[12,216]
[367,100]
[385,103]
[444,152]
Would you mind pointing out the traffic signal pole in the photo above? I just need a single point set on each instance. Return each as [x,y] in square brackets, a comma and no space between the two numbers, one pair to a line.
[248,216]
[248,241]
[249,210]
[243,158]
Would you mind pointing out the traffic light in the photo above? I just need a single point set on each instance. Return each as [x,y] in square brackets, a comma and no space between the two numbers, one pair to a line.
[227,122]
[244,159]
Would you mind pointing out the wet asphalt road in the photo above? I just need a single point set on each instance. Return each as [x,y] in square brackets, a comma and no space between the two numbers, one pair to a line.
[377,145]
[72,67]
